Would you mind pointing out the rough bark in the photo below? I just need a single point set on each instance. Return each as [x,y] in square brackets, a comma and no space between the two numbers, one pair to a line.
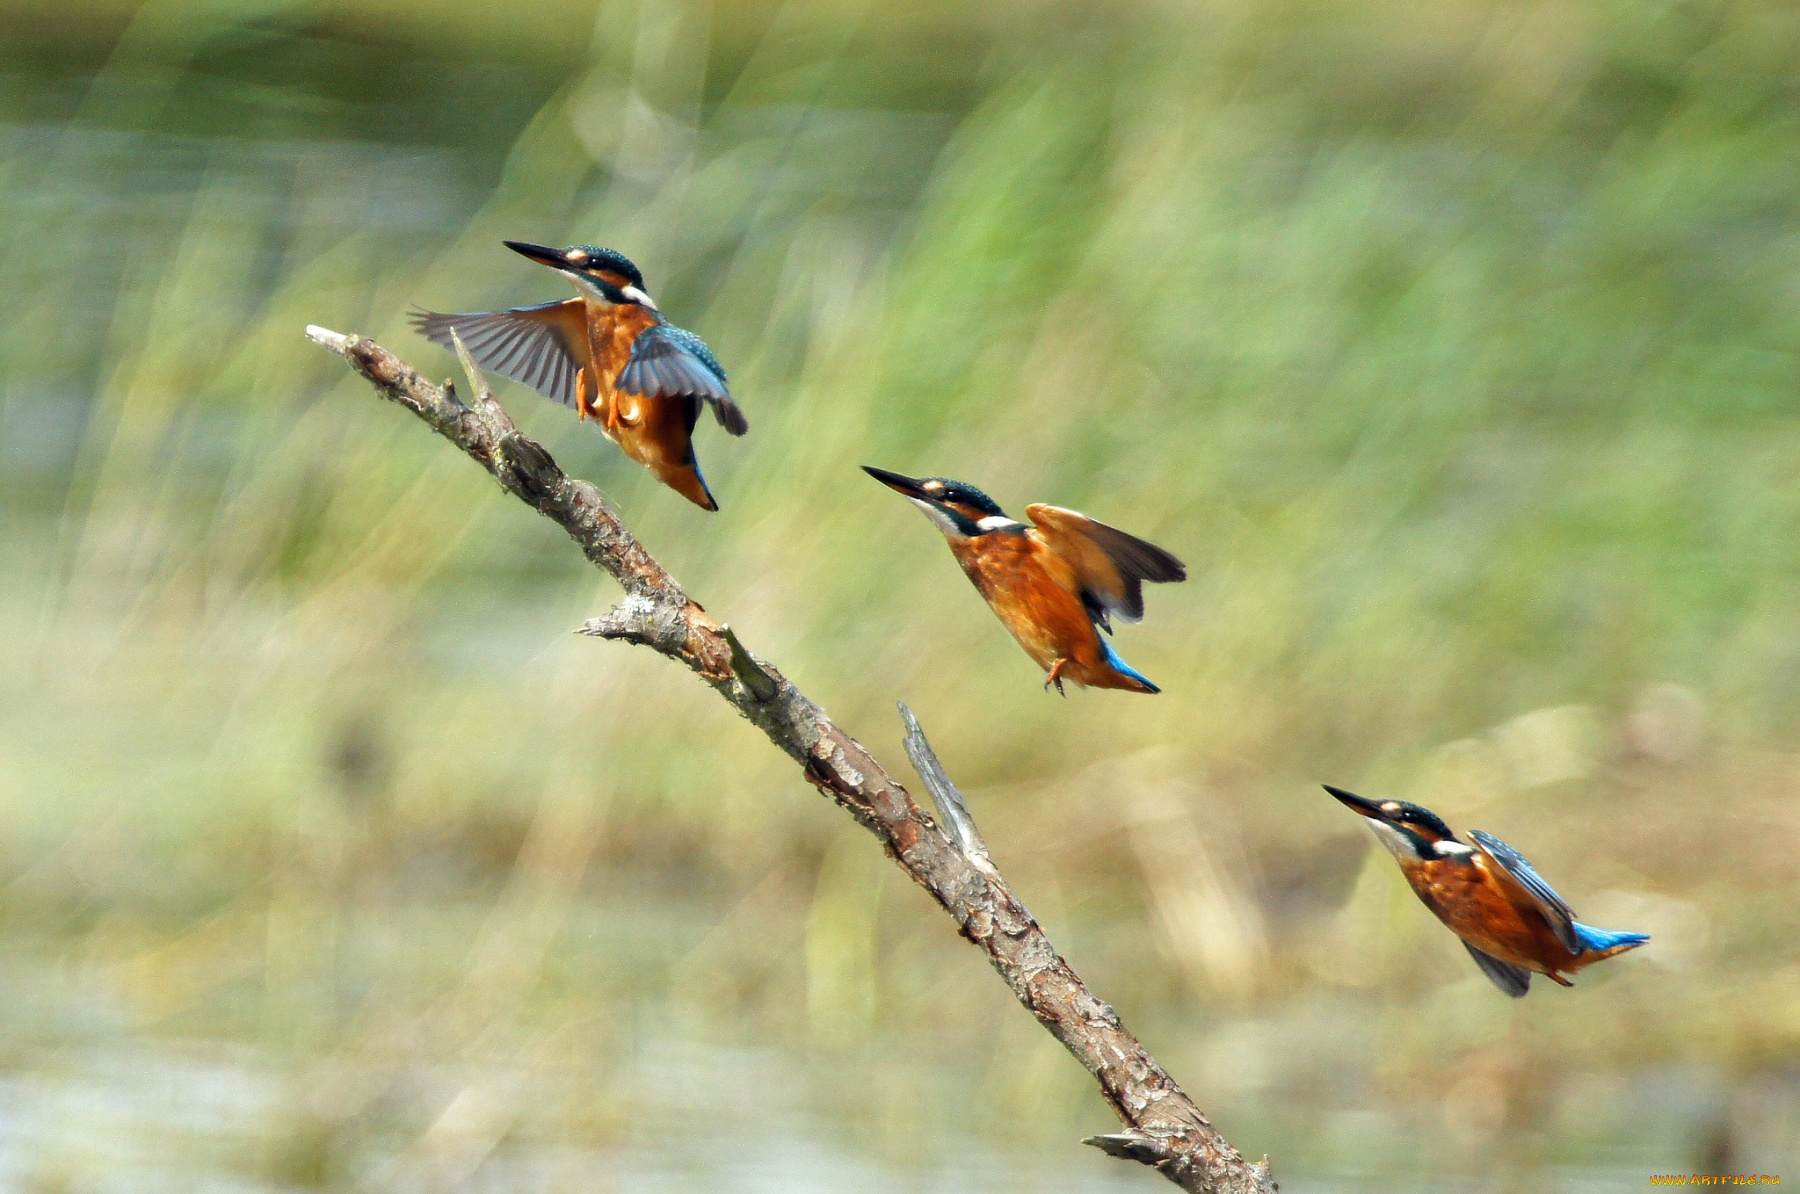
[1164,1129]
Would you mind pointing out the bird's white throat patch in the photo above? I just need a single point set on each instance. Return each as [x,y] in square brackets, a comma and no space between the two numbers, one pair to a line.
[1397,843]
[937,516]
[587,288]
[997,522]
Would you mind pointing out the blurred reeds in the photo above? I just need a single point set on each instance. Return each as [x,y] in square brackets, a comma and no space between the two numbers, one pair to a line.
[1452,345]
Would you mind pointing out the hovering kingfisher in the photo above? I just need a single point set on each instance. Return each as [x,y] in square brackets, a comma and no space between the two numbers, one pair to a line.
[1509,919]
[1055,584]
[611,355]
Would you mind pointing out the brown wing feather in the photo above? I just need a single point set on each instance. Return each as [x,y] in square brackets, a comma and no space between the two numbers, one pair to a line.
[1110,565]
[543,347]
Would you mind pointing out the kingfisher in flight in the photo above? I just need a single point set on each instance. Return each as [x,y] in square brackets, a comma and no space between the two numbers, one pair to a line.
[1511,921]
[610,355]
[1055,584]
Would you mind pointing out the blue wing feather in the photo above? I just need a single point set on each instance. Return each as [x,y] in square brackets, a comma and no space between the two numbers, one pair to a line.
[1556,911]
[671,362]
[697,347]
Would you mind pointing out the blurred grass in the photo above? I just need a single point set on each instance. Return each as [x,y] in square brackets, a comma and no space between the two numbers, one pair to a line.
[1452,345]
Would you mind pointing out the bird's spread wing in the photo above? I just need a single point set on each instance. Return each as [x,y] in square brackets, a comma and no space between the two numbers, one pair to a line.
[1110,566]
[543,346]
[1512,865]
[670,362]
[1514,980]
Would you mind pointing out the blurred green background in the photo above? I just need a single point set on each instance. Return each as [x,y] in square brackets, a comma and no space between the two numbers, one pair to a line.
[1451,342]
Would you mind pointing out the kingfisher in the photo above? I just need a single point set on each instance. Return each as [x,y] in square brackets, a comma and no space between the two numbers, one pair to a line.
[1055,584]
[611,355]
[1512,922]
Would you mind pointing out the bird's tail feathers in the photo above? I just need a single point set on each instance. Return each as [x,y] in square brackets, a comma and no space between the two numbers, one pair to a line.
[1606,942]
[1119,665]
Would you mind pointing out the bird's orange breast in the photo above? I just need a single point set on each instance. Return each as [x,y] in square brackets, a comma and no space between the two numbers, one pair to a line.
[656,432]
[1474,906]
[1032,592]
[612,330]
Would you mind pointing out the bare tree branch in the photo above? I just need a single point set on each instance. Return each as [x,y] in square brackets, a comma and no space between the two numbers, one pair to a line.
[1164,1129]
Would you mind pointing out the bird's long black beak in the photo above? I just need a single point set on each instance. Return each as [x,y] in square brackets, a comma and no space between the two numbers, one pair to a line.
[1367,808]
[541,254]
[898,483]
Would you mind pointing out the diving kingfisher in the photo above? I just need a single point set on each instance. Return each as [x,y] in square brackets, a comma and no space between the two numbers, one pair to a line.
[1056,584]
[611,355]
[1509,919]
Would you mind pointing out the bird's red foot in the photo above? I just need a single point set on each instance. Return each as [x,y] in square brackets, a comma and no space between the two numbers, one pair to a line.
[1055,676]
